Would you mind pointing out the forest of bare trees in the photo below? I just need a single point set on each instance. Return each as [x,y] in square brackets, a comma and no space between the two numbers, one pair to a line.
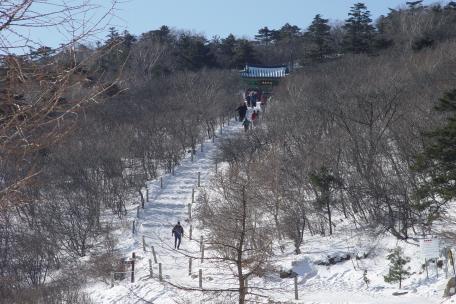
[341,142]
[82,128]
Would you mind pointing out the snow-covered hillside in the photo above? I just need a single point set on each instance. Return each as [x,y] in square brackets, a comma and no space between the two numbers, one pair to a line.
[339,283]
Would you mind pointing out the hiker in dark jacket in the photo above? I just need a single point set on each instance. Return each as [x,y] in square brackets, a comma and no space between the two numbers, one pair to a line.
[247,99]
[254,98]
[178,232]
[242,109]
[246,124]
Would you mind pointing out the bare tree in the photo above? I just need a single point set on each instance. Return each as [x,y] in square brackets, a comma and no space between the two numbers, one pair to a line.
[238,229]
[38,100]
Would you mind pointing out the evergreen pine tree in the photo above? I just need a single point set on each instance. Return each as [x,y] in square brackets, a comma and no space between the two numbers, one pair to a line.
[193,53]
[288,33]
[438,161]
[413,5]
[244,53]
[227,51]
[397,271]
[117,48]
[265,35]
[359,30]
[319,34]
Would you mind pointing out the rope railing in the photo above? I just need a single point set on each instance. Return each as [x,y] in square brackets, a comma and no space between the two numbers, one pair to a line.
[193,256]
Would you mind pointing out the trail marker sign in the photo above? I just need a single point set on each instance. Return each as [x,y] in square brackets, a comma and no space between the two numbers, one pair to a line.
[430,248]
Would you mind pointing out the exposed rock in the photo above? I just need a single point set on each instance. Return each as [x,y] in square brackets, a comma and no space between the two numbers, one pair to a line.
[400,293]
[332,260]
[288,274]
[450,289]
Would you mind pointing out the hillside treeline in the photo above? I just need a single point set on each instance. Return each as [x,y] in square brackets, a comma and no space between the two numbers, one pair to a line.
[83,129]
[77,150]
[365,140]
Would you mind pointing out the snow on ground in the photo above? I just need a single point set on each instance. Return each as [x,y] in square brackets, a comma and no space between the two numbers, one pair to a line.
[165,207]
[317,284]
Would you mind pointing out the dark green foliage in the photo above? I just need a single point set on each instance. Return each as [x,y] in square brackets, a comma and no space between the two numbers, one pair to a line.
[193,53]
[397,271]
[415,4]
[116,50]
[438,161]
[234,53]
[422,43]
[318,33]
[382,40]
[265,35]
[244,53]
[359,30]
[163,34]
[287,32]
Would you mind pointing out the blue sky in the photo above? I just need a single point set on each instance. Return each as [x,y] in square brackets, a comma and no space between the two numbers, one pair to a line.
[221,17]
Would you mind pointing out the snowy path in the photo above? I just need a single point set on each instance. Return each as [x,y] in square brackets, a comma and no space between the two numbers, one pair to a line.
[165,207]
[317,284]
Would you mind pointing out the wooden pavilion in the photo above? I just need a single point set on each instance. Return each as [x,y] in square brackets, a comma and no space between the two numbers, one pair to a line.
[263,78]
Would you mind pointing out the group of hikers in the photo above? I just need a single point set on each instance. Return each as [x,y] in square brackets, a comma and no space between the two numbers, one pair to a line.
[249,115]
[248,110]
[253,96]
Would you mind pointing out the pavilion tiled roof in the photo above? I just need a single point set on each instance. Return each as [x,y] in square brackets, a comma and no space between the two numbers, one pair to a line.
[251,71]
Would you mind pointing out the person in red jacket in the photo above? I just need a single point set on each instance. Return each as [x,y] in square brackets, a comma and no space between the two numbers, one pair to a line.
[254,117]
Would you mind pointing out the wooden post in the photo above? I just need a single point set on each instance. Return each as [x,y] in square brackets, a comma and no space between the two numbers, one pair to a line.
[450,255]
[296,288]
[436,269]
[133,256]
[189,211]
[193,195]
[192,154]
[147,194]
[201,146]
[137,212]
[134,228]
[201,243]
[190,233]
[425,266]
[172,170]
[161,182]
[216,167]
[190,266]
[200,274]
[160,277]
[202,253]
[151,270]
[153,253]
[199,179]
[112,279]
[144,243]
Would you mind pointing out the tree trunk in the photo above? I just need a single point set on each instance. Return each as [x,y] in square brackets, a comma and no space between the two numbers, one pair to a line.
[142,197]
[276,219]
[329,215]
[242,291]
